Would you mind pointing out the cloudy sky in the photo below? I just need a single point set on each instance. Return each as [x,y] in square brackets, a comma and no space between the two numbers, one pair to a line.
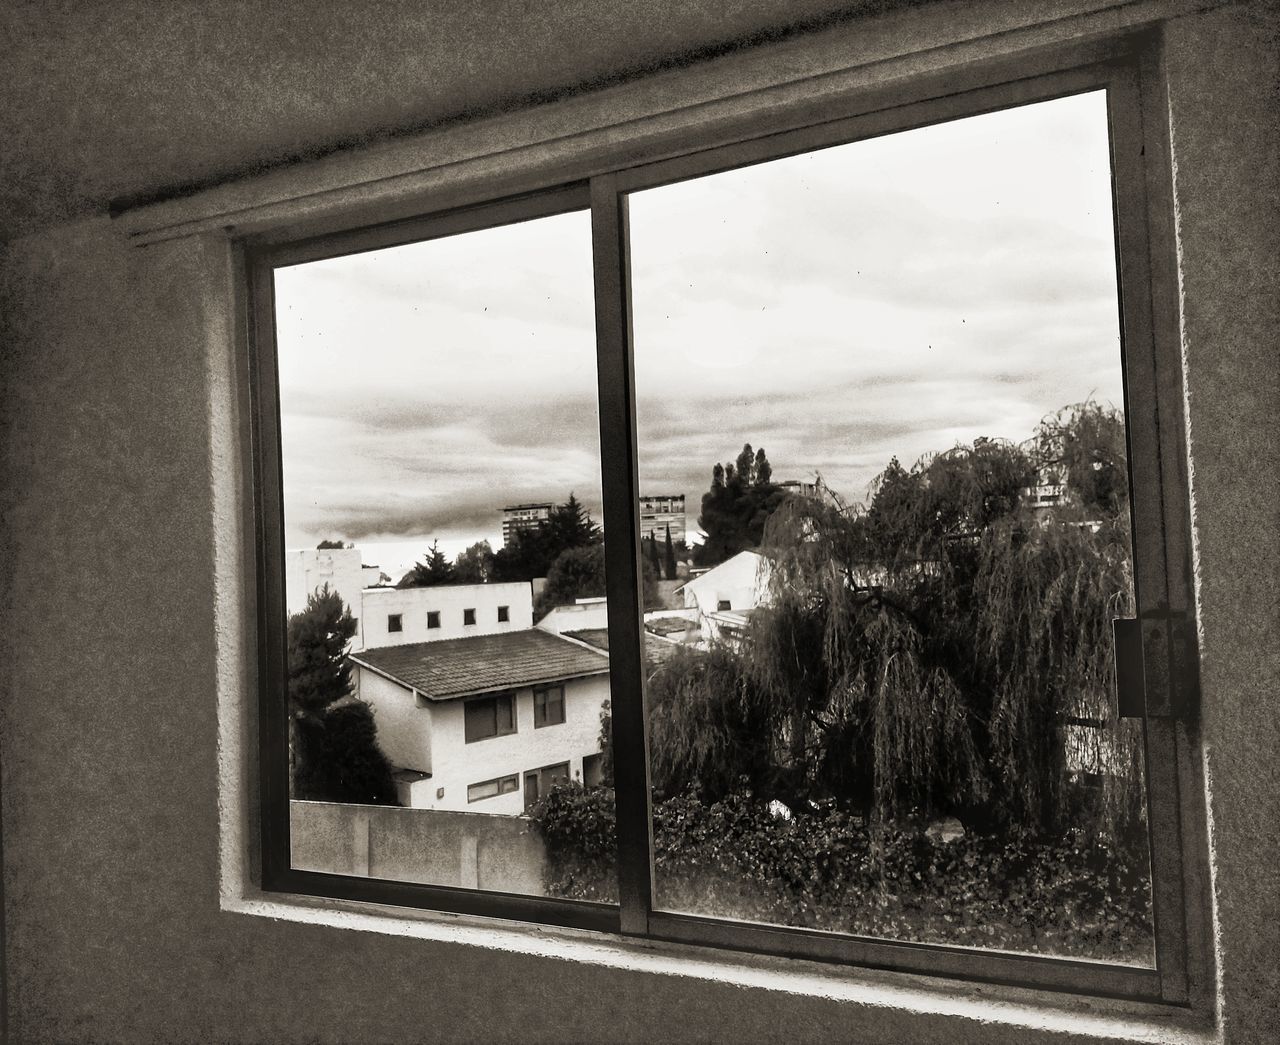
[889,297]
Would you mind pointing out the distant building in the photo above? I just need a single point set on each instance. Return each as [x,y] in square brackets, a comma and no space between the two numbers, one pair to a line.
[402,616]
[486,724]
[660,511]
[517,517]
[800,487]
[307,570]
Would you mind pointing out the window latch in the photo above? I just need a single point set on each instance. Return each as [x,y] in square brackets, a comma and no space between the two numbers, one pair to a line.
[1156,671]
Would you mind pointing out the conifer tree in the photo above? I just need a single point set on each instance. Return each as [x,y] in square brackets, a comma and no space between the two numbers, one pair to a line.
[670,557]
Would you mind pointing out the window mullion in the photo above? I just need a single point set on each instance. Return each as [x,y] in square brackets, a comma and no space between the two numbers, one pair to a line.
[616,375]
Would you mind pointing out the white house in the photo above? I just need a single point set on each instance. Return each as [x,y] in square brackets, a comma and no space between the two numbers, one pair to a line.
[725,595]
[401,616]
[486,724]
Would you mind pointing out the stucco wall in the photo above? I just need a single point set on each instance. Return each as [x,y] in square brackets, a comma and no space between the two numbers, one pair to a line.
[413,605]
[109,738]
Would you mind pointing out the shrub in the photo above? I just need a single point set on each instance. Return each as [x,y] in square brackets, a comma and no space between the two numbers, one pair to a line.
[1073,895]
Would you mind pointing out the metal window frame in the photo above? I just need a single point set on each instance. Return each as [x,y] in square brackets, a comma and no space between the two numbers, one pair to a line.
[1129,69]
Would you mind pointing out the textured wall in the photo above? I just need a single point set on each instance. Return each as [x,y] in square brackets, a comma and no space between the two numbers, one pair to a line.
[108,736]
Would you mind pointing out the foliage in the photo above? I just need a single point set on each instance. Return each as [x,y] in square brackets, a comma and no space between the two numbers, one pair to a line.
[432,571]
[669,557]
[340,758]
[327,545]
[316,639]
[577,573]
[742,496]
[335,755]
[1072,894]
[474,565]
[530,552]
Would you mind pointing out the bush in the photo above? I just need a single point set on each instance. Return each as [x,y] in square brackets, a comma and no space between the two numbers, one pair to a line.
[1073,895]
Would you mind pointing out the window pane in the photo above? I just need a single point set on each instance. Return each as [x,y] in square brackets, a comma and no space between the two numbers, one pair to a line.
[887,379]
[438,422]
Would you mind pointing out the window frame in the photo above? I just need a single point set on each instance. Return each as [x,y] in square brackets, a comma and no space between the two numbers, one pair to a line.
[514,778]
[469,617]
[504,614]
[395,623]
[512,703]
[433,620]
[540,693]
[1127,67]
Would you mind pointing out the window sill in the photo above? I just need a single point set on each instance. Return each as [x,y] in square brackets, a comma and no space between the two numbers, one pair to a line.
[1025,1015]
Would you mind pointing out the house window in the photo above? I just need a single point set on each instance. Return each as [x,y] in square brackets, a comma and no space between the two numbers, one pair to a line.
[492,788]
[722,605]
[548,706]
[504,614]
[395,622]
[486,717]
[433,619]
[539,782]
[923,679]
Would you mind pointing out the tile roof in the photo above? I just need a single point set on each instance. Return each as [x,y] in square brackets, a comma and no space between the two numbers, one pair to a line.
[483,663]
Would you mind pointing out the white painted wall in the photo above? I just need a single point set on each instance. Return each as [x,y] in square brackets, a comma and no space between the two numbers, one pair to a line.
[404,728]
[449,600]
[582,615]
[455,764]
[307,570]
[742,580]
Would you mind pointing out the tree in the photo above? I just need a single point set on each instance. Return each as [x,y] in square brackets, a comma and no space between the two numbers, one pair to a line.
[432,571]
[316,640]
[579,573]
[654,560]
[326,545]
[474,565]
[934,651]
[530,552]
[333,739]
[741,497]
[669,558]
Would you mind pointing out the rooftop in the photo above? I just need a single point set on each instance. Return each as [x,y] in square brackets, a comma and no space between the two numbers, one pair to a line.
[455,668]
[656,650]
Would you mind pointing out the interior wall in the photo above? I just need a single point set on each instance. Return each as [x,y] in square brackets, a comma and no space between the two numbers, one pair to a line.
[108,734]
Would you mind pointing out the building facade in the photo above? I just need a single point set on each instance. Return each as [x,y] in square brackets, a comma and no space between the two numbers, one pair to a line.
[517,517]
[400,616]
[660,512]
[486,724]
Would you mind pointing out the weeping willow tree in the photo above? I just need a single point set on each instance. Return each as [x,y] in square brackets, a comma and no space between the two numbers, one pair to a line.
[945,650]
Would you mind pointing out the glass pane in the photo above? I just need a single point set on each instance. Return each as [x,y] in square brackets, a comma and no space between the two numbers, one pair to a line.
[441,469]
[886,379]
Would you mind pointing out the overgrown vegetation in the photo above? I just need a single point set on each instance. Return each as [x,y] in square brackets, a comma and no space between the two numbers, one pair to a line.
[942,652]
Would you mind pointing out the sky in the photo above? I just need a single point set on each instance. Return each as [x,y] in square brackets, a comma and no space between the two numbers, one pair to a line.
[892,297]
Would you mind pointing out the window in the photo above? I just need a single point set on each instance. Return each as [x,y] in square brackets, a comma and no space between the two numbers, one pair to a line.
[433,619]
[916,309]
[538,782]
[395,622]
[548,706]
[487,717]
[493,788]
[504,614]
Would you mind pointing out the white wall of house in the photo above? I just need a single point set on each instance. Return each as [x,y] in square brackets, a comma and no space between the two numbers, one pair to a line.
[307,570]
[450,600]
[741,581]
[582,615]
[455,764]
[404,728]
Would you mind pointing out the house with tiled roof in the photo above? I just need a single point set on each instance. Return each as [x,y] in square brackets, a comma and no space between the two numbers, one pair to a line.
[486,724]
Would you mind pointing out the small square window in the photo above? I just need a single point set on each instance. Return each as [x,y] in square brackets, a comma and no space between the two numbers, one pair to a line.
[433,619]
[468,616]
[723,604]
[548,707]
[395,622]
[504,614]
